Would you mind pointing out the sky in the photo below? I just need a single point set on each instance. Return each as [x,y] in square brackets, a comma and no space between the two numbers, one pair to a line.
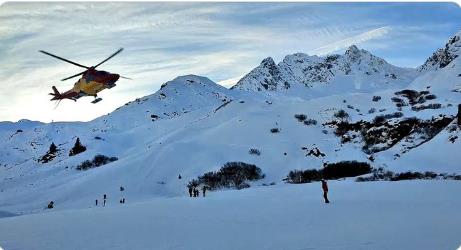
[222,41]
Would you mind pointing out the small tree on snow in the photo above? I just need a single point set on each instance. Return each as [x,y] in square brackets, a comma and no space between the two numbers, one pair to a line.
[50,155]
[341,114]
[78,148]
[53,149]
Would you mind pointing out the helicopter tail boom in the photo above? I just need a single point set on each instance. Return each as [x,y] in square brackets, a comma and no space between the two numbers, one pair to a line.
[56,95]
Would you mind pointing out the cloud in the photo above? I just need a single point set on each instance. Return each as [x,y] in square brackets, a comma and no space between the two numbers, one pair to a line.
[353,40]
[230,82]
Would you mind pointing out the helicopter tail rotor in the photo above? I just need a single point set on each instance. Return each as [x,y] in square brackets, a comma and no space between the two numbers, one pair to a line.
[56,95]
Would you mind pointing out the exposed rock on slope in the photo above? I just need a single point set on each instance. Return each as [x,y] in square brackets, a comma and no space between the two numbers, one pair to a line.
[443,56]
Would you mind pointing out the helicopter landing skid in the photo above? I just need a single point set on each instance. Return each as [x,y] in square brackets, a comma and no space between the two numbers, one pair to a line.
[96,100]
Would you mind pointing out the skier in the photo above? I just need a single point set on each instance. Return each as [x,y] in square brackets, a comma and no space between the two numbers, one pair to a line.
[179,177]
[325,190]
[203,190]
[50,205]
[190,191]
[96,202]
[105,196]
[122,189]
[123,200]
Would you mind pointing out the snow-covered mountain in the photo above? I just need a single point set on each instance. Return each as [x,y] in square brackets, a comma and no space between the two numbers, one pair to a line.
[442,71]
[358,69]
[443,56]
[396,117]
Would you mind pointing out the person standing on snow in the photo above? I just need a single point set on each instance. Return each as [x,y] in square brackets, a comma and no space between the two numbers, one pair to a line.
[105,196]
[325,190]
[203,190]
[190,191]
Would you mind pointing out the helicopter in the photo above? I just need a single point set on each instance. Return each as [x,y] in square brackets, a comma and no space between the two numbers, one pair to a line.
[91,82]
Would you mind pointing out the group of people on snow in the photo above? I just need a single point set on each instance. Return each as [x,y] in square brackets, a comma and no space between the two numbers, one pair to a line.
[194,192]
[104,198]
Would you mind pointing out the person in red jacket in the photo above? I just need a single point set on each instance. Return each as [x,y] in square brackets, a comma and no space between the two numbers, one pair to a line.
[325,191]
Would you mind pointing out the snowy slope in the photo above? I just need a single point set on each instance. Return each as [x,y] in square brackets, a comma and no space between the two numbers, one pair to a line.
[378,215]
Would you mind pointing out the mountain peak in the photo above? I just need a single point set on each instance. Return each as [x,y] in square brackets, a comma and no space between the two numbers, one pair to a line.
[267,76]
[267,62]
[187,80]
[353,53]
[445,55]
[353,49]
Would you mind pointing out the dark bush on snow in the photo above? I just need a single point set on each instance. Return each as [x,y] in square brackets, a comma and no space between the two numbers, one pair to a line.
[301,117]
[377,174]
[396,99]
[381,175]
[231,175]
[409,176]
[431,97]
[100,160]
[304,176]
[85,165]
[379,119]
[97,161]
[341,114]
[254,151]
[330,171]
[376,98]
[275,130]
[345,169]
[429,106]
[310,122]
[382,118]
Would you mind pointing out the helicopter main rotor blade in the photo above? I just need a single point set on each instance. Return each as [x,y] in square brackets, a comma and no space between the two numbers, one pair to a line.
[65,60]
[67,78]
[124,77]
[118,51]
